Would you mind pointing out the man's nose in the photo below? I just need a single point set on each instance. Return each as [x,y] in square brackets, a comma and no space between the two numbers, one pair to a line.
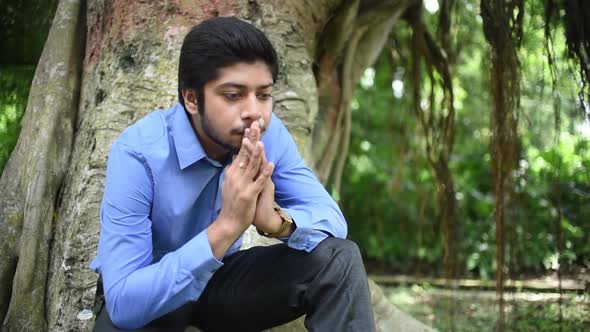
[251,108]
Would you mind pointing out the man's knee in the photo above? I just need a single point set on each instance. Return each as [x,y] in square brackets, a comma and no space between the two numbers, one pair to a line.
[343,251]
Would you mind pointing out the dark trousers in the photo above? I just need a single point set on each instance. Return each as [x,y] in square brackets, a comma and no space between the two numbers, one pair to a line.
[263,287]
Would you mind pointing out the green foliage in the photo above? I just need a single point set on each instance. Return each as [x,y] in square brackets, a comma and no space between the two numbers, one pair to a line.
[388,193]
[15,82]
[24,25]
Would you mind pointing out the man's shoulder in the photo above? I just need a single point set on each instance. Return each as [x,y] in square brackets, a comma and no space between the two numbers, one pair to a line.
[275,129]
[278,142]
[147,131]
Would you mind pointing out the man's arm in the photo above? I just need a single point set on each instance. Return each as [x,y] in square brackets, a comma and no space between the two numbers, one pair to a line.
[137,291]
[301,195]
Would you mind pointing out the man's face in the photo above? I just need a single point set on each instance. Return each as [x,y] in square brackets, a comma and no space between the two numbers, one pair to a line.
[239,96]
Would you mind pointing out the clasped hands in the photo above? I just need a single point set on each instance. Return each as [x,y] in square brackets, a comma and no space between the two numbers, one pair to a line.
[248,191]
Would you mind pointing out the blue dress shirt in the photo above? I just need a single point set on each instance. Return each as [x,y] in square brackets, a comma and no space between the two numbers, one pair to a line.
[162,192]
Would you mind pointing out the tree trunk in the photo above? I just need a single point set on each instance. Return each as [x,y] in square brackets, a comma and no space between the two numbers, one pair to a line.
[34,174]
[129,69]
[352,40]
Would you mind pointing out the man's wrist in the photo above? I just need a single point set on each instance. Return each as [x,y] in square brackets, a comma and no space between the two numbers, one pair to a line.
[221,234]
[283,224]
[273,223]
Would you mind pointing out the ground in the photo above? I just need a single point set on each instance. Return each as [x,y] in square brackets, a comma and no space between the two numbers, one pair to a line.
[476,310]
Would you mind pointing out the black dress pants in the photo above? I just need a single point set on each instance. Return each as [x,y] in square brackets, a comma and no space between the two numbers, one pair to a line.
[263,287]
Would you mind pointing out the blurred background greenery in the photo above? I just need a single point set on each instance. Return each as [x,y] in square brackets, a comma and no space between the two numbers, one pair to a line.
[388,191]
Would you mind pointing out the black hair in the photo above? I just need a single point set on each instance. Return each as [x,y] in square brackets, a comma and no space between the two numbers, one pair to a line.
[217,43]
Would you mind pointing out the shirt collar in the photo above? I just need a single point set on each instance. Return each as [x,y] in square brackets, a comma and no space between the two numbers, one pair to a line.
[188,147]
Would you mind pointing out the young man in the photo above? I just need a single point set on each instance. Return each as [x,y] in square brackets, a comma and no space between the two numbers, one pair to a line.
[183,185]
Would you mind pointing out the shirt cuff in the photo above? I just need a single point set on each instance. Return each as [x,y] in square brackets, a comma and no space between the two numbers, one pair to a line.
[197,257]
[305,237]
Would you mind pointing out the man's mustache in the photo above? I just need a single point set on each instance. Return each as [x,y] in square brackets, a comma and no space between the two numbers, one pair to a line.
[242,128]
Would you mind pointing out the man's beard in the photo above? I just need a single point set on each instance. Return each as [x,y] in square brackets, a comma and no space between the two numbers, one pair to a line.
[210,131]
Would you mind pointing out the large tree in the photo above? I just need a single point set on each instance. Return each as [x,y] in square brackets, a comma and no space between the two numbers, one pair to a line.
[107,63]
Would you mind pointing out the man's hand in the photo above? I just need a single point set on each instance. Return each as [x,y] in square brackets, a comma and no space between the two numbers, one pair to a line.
[245,179]
[265,219]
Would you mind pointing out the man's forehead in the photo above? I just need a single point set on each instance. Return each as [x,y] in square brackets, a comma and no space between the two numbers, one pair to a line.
[243,74]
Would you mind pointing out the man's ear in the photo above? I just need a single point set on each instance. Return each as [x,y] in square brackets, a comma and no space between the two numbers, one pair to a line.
[190,101]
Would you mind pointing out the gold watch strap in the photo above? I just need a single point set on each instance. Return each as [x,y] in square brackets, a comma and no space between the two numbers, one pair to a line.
[287,222]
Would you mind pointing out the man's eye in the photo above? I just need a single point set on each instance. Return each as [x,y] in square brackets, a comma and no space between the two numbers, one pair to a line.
[231,95]
[264,95]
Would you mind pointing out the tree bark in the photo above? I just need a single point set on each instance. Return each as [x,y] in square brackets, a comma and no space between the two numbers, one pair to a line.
[129,69]
[34,174]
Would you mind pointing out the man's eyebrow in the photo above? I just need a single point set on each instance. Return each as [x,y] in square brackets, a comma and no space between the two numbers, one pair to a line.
[242,86]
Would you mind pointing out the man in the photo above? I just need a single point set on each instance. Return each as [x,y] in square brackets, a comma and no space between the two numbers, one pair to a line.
[183,185]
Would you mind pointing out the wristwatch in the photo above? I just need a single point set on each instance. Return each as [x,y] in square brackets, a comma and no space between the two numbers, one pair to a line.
[287,222]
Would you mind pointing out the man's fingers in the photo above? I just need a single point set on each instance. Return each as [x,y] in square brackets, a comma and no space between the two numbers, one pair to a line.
[255,131]
[263,163]
[243,157]
[264,176]
[259,130]
[249,142]
[242,152]
[249,147]
[255,159]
